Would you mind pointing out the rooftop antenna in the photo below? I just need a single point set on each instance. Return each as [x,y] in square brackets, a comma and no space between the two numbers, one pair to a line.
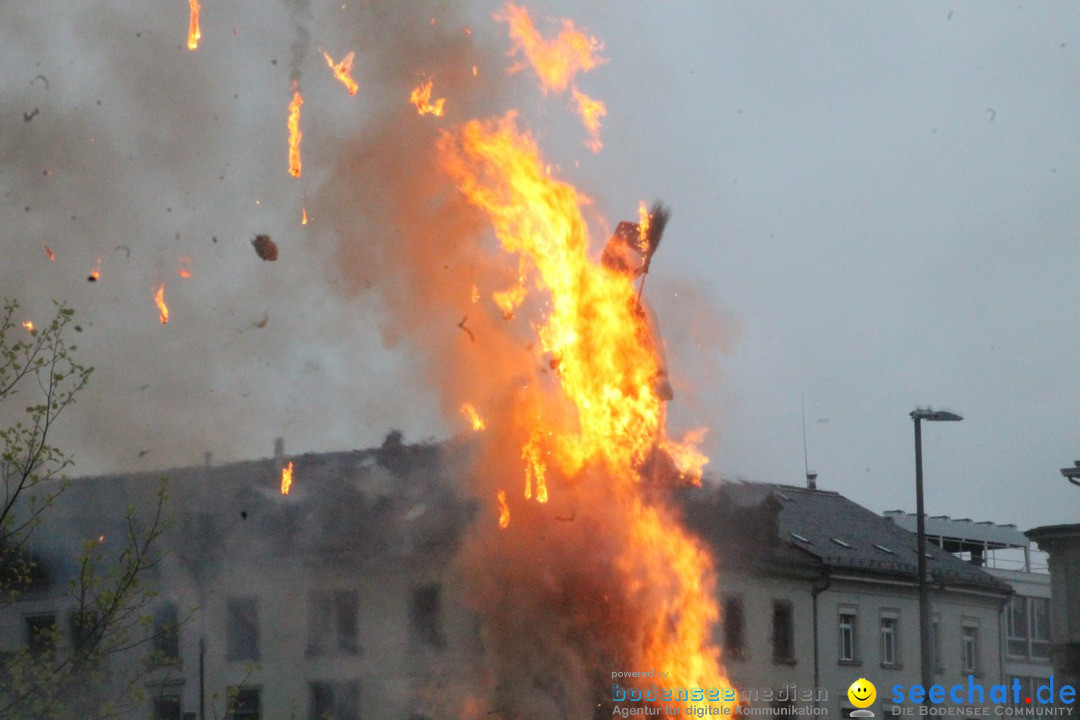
[811,478]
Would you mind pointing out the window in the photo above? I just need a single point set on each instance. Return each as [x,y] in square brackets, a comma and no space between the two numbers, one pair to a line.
[242,629]
[734,628]
[783,632]
[167,707]
[84,631]
[425,621]
[848,628]
[41,633]
[332,622]
[1027,627]
[166,641]
[245,703]
[335,700]
[890,656]
[970,649]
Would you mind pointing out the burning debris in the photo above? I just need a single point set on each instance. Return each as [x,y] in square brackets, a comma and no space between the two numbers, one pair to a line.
[421,99]
[286,478]
[473,417]
[342,71]
[50,253]
[294,131]
[159,300]
[193,26]
[265,247]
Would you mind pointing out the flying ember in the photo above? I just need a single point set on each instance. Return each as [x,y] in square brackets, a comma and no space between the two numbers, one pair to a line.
[421,98]
[193,26]
[29,325]
[294,131]
[50,253]
[590,112]
[342,71]
[473,417]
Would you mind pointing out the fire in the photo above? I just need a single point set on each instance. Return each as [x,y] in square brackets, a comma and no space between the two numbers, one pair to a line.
[50,253]
[504,510]
[286,478]
[193,26]
[29,325]
[590,112]
[473,417]
[598,440]
[159,298]
[183,271]
[95,274]
[421,98]
[342,70]
[294,131]
[303,216]
[556,61]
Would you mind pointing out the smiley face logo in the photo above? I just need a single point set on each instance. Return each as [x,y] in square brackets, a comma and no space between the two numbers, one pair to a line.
[862,693]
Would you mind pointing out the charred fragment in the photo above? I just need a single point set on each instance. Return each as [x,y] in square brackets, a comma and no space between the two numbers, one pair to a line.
[265,247]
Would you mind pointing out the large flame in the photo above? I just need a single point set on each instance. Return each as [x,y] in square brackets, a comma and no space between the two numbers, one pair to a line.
[556,61]
[193,26]
[286,478]
[602,434]
[294,132]
[342,71]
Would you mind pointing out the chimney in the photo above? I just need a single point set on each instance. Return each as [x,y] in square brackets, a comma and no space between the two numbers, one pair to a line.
[811,480]
[279,450]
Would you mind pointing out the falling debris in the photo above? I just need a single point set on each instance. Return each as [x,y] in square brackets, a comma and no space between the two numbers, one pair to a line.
[473,417]
[504,510]
[125,248]
[50,253]
[95,274]
[193,26]
[467,330]
[265,247]
[29,325]
[43,79]
[303,216]
[991,114]
[28,116]
[159,299]
[294,131]
[286,478]
[342,71]
[262,323]
[421,98]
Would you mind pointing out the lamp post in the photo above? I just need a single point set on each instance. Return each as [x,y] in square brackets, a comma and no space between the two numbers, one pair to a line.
[925,660]
[1072,474]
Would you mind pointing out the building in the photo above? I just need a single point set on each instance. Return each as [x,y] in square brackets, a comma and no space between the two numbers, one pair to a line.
[340,599]
[1062,543]
[818,592]
[1006,553]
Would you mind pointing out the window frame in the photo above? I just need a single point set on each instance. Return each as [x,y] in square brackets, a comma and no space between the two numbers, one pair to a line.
[850,612]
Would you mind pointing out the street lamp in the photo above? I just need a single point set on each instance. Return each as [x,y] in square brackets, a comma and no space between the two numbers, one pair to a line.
[926,662]
[1072,474]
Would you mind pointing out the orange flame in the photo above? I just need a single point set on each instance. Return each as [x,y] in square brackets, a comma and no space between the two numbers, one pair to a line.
[193,26]
[303,216]
[504,510]
[342,70]
[183,271]
[294,132]
[556,61]
[473,417]
[286,478]
[95,274]
[421,98]
[590,112]
[159,298]
[50,253]
[605,428]
[29,325]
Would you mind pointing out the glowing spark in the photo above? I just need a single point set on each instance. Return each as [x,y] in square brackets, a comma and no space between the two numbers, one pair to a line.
[504,510]
[29,325]
[473,417]
[303,216]
[421,96]
[342,70]
[50,253]
[193,26]
[159,298]
[286,478]
[294,132]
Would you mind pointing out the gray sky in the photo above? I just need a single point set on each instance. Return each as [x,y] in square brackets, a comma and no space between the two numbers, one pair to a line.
[875,207]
